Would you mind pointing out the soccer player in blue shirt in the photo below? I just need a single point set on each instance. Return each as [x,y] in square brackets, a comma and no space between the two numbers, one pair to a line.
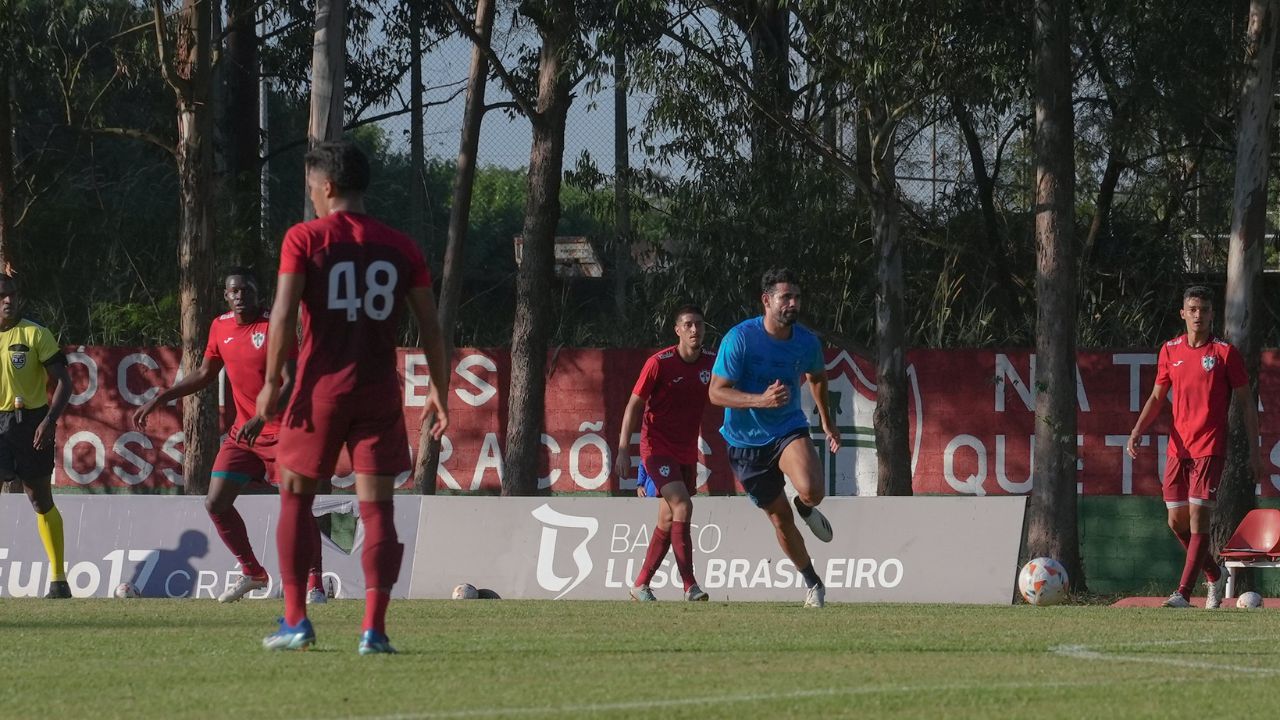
[756,379]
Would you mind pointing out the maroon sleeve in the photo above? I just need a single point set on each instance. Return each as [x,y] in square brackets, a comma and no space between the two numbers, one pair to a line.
[1236,374]
[294,251]
[648,378]
[419,274]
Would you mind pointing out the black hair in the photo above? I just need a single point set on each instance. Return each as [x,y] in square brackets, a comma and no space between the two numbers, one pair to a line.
[346,166]
[1199,292]
[245,272]
[774,276]
[685,310]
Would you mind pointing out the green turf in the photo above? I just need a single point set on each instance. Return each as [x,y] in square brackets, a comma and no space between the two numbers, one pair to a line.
[183,658]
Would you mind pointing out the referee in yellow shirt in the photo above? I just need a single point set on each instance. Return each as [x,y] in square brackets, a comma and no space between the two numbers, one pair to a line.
[29,356]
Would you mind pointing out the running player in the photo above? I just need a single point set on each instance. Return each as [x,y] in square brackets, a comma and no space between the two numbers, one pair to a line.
[757,377]
[1204,373]
[352,276]
[238,342]
[671,393]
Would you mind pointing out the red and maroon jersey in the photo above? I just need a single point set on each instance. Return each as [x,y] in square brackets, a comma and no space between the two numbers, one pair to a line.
[357,273]
[676,394]
[243,352]
[1202,380]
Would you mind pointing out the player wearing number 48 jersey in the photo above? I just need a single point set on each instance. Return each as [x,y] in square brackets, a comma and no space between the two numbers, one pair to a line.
[352,276]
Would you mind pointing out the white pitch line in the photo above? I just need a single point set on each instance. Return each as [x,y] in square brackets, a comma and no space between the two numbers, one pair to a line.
[1083,652]
[736,699]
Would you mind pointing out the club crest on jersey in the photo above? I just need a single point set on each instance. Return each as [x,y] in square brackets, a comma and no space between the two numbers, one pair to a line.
[258,339]
[665,470]
[705,376]
[19,360]
[1207,362]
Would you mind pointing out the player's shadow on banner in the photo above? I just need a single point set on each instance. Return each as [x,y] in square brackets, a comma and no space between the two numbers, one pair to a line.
[172,573]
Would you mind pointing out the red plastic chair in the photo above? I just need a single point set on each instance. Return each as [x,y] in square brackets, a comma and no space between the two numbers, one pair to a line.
[1256,538]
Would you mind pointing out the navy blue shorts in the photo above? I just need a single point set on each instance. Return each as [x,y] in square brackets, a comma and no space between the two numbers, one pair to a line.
[758,470]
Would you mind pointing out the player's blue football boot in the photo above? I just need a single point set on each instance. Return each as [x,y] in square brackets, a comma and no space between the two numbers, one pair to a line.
[373,642]
[295,637]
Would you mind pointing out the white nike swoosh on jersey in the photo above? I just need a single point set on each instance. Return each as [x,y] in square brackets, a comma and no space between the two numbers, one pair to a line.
[1177,363]
[227,340]
[677,379]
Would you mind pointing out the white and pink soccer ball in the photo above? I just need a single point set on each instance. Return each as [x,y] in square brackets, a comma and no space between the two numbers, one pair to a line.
[125,590]
[465,591]
[1250,599]
[1043,581]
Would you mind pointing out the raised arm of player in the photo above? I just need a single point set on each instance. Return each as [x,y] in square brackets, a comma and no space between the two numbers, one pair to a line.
[630,423]
[1249,409]
[818,386]
[282,331]
[1149,412]
[423,306]
[201,378]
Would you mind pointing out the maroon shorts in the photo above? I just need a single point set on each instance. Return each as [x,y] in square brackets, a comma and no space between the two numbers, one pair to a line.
[241,463]
[1192,481]
[663,469]
[314,432]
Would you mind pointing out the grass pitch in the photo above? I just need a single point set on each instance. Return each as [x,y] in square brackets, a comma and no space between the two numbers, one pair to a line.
[480,659]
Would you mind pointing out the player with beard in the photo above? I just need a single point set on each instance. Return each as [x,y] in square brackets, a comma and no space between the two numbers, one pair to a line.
[671,394]
[758,372]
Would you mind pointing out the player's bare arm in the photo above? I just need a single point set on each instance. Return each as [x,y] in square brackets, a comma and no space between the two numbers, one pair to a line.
[818,386]
[722,392]
[630,423]
[1249,410]
[56,367]
[1149,412]
[250,430]
[423,305]
[201,378]
[282,331]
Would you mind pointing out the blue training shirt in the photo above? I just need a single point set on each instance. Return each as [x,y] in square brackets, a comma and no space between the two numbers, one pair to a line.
[751,359]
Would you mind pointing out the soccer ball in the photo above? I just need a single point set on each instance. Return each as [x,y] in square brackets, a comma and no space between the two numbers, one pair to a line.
[1043,581]
[465,591]
[1250,599]
[125,590]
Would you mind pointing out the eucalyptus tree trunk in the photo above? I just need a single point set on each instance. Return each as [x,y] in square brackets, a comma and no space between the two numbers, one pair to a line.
[424,473]
[8,239]
[240,129]
[1244,258]
[534,280]
[1051,520]
[190,81]
[893,448]
[328,77]
[417,151]
[621,178]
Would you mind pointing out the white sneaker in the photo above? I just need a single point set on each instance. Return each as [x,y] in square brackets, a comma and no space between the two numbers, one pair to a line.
[1213,597]
[817,523]
[1176,601]
[244,586]
[643,594]
[316,596]
[816,597]
[695,594]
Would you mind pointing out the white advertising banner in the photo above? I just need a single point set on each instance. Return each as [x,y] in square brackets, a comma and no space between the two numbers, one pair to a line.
[886,549]
[166,546]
